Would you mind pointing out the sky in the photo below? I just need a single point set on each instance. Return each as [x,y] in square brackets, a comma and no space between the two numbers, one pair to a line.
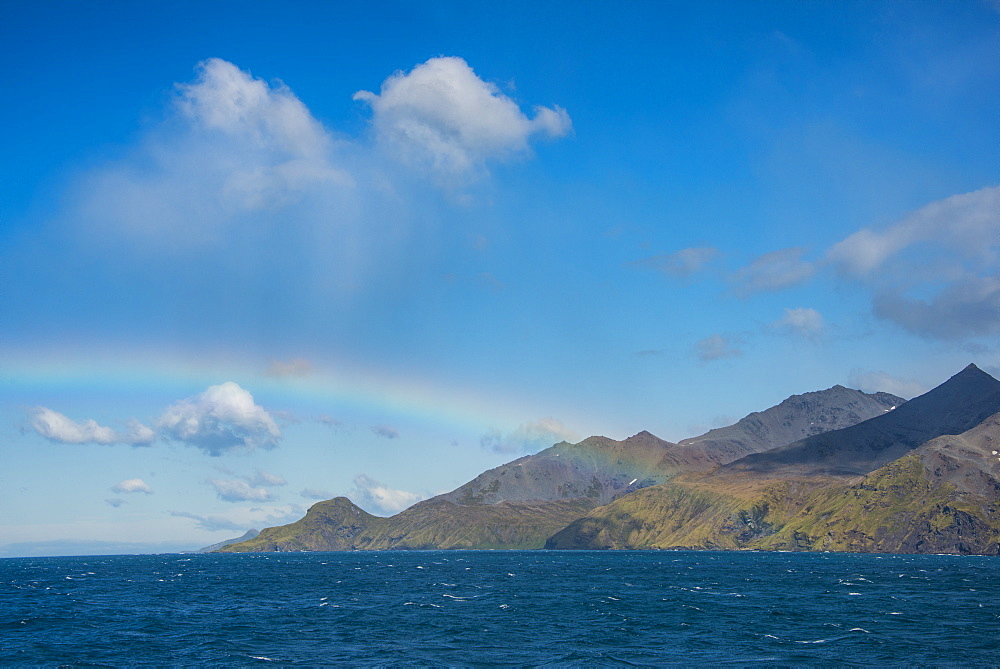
[258,254]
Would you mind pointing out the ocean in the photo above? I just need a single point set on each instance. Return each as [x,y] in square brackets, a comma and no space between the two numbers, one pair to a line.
[462,608]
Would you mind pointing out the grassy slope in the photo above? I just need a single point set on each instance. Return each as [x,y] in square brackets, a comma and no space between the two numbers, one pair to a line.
[899,508]
[338,524]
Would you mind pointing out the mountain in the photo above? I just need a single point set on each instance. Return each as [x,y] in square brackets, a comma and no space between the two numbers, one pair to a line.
[338,524]
[596,468]
[602,469]
[959,404]
[524,502]
[798,417]
[249,534]
[843,490]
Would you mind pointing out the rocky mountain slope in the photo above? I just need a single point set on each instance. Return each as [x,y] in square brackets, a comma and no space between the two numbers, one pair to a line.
[843,490]
[957,405]
[798,417]
[524,502]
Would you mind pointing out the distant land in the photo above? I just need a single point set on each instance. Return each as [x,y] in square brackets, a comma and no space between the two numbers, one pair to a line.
[836,469]
[249,534]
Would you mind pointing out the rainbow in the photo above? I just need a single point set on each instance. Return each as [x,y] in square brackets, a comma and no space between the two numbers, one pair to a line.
[346,386]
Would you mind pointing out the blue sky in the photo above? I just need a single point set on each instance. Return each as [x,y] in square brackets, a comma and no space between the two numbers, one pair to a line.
[259,254]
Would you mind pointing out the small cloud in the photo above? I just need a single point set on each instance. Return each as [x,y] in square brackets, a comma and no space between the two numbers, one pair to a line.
[132,486]
[442,117]
[529,437]
[265,480]
[377,498]
[772,272]
[649,353]
[210,523]
[717,347]
[879,381]
[239,518]
[54,426]
[385,431]
[805,322]
[238,490]
[968,308]
[316,493]
[222,419]
[683,263]
[295,367]
[115,502]
[329,421]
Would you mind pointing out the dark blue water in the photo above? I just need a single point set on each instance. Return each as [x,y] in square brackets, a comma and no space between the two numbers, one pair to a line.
[503,607]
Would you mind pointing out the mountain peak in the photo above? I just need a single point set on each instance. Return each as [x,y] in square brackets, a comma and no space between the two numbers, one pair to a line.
[957,405]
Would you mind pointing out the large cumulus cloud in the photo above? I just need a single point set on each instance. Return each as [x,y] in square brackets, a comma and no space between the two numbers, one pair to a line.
[222,419]
[442,116]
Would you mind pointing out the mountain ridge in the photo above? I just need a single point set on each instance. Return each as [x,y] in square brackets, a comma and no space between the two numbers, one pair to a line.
[938,496]
[524,502]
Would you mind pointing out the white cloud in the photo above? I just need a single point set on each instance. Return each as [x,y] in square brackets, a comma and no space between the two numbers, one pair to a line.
[773,271]
[879,381]
[683,263]
[54,426]
[222,419]
[528,437]
[968,223]
[442,116]
[238,490]
[131,486]
[241,518]
[211,523]
[115,502]
[375,497]
[717,347]
[235,145]
[806,322]
[265,479]
[934,273]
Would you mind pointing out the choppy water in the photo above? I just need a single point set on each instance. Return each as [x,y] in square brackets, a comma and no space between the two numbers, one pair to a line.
[503,607]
